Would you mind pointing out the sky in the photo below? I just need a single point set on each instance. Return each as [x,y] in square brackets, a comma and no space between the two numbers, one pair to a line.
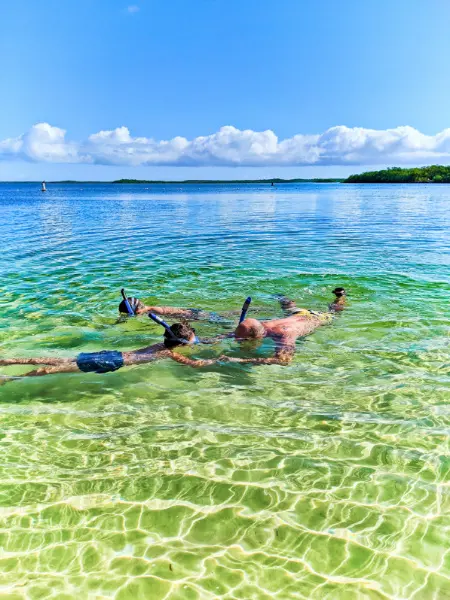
[178,89]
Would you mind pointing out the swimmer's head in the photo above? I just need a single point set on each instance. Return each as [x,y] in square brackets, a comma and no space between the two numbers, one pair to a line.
[286,303]
[135,304]
[250,329]
[339,292]
[182,331]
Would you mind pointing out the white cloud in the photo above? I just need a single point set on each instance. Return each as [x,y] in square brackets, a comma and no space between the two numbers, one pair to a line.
[133,9]
[43,143]
[229,146]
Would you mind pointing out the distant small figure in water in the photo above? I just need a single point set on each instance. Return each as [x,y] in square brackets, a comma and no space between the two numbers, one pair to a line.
[43,188]
[272,183]
[181,334]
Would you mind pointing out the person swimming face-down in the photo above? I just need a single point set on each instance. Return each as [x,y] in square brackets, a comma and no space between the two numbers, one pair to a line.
[191,314]
[105,361]
[285,332]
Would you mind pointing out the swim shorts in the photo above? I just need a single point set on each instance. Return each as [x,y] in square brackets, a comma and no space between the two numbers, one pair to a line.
[100,362]
[323,317]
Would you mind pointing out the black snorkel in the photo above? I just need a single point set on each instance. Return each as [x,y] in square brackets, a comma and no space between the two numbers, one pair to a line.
[245,308]
[127,304]
[170,332]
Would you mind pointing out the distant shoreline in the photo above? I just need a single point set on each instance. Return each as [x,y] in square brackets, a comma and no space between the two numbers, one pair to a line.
[188,181]
[430,174]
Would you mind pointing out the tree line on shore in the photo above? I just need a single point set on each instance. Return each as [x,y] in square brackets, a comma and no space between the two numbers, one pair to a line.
[431,174]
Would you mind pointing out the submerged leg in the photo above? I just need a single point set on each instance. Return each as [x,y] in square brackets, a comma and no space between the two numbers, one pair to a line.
[63,368]
[4,362]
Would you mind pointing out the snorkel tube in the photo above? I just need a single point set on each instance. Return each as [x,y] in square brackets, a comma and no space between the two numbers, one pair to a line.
[245,308]
[127,304]
[170,332]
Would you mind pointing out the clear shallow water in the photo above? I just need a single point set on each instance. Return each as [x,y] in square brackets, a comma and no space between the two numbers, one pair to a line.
[326,479]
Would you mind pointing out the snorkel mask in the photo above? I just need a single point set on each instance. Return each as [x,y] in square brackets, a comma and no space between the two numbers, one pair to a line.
[132,305]
[128,306]
[171,333]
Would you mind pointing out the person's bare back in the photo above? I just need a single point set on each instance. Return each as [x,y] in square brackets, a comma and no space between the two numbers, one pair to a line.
[105,361]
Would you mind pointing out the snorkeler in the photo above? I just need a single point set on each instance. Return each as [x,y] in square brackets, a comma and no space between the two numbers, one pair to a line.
[179,334]
[285,332]
[136,307]
[139,308]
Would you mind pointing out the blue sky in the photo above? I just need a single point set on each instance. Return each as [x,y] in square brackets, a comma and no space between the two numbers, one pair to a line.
[185,69]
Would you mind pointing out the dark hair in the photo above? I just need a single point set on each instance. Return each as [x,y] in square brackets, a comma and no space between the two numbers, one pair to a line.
[135,304]
[286,302]
[182,331]
[339,291]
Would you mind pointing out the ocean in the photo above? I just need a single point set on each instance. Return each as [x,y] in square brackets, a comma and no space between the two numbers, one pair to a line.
[325,479]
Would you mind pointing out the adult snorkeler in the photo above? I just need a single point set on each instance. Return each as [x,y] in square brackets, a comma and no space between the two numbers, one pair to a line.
[285,332]
[177,335]
[134,306]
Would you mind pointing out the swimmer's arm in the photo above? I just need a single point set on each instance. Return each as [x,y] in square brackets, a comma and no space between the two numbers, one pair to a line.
[168,311]
[185,313]
[283,356]
[217,338]
[146,356]
[196,363]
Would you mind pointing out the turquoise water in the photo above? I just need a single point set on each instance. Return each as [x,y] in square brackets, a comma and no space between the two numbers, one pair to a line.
[326,479]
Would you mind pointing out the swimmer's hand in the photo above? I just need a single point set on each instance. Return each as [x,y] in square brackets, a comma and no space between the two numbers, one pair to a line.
[217,338]
[275,360]
[191,362]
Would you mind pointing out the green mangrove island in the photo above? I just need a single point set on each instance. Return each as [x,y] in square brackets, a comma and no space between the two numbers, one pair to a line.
[431,174]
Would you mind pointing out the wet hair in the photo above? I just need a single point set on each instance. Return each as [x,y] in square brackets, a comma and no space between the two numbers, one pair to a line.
[339,291]
[286,302]
[135,304]
[182,331]
[250,329]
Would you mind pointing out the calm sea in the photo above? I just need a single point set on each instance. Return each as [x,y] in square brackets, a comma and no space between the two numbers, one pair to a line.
[326,479]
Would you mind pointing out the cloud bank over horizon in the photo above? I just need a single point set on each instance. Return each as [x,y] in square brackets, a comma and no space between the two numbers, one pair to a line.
[231,147]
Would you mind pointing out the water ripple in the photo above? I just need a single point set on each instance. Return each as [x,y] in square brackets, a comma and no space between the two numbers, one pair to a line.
[323,480]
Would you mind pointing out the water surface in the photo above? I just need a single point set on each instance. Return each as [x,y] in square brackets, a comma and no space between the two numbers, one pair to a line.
[327,479]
